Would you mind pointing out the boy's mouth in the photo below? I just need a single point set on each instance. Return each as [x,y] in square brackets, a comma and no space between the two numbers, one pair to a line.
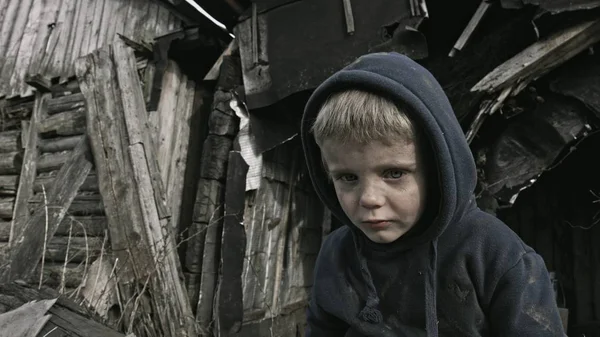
[376,224]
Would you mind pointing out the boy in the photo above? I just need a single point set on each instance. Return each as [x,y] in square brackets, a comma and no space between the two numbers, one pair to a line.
[416,257]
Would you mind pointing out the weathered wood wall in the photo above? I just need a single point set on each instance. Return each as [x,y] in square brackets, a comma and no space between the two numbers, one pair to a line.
[283,220]
[559,217]
[79,238]
[47,36]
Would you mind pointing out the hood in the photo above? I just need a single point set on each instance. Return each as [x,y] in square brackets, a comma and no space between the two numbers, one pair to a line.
[404,81]
[408,83]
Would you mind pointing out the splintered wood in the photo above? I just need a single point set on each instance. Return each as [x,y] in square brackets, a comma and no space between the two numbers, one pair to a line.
[132,190]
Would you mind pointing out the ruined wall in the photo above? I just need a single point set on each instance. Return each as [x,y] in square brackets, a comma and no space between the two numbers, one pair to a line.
[46,36]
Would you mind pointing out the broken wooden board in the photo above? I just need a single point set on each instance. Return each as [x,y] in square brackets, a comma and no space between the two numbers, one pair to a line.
[127,175]
[229,309]
[28,247]
[28,169]
[67,319]
[27,320]
[540,58]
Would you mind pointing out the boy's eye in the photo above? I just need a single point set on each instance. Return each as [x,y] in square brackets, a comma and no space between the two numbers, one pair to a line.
[346,178]
[394,174]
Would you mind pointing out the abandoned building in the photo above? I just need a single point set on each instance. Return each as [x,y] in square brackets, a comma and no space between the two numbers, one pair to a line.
[152,177]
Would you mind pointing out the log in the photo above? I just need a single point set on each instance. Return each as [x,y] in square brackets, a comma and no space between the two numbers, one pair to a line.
[80,226]
[59,144]
[45,181]
[6,207]
[10,141]
[223,122]
[207,209]
[80,249]
[66,103]
[540,57]
[229,309]
[28,247]
[10,163]
[28,170]
[214,159]
[8,185]
[66,123]
[82,204]
[52,161]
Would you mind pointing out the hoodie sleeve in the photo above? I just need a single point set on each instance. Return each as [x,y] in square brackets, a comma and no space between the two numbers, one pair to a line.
[523,303]
[322,324]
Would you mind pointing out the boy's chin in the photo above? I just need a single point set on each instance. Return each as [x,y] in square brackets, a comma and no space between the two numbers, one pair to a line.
[385,236]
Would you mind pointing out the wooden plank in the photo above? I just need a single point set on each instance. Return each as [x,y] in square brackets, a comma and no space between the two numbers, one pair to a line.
[27,320]
[11,53]
[9,13]
[78,29]
[178,317]
[136,119]
[59,57]
[149,26]
[98,18]
[134,17]
[90,19]
[28,249]
[71,249]
[28,170]
[36,31]
[179,153]
[46,36]
[67,317]
[541,57]
[167,112]
[97,80]
[471,26]
[162,21]
[122,13]
[3,9]
[108,19]
[229,298]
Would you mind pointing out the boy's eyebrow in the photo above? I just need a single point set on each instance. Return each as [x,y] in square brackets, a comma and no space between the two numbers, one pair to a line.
[409,165]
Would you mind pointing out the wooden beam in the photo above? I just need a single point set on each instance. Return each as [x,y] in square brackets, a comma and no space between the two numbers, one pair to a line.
[540,58]
[28,246]
[229,300]
[28,170]
[471,26]
[349,17]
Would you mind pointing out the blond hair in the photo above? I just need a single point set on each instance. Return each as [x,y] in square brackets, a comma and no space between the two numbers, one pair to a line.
[361,117]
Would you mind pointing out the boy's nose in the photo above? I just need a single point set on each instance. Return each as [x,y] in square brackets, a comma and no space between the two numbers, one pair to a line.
[371,197]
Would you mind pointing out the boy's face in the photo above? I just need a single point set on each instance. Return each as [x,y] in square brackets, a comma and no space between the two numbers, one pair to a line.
[380,187]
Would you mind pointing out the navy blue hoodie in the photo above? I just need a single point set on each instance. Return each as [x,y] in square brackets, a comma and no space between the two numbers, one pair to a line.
[458,272]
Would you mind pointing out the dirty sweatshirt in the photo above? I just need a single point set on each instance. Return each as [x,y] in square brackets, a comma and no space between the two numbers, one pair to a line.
[458,272]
